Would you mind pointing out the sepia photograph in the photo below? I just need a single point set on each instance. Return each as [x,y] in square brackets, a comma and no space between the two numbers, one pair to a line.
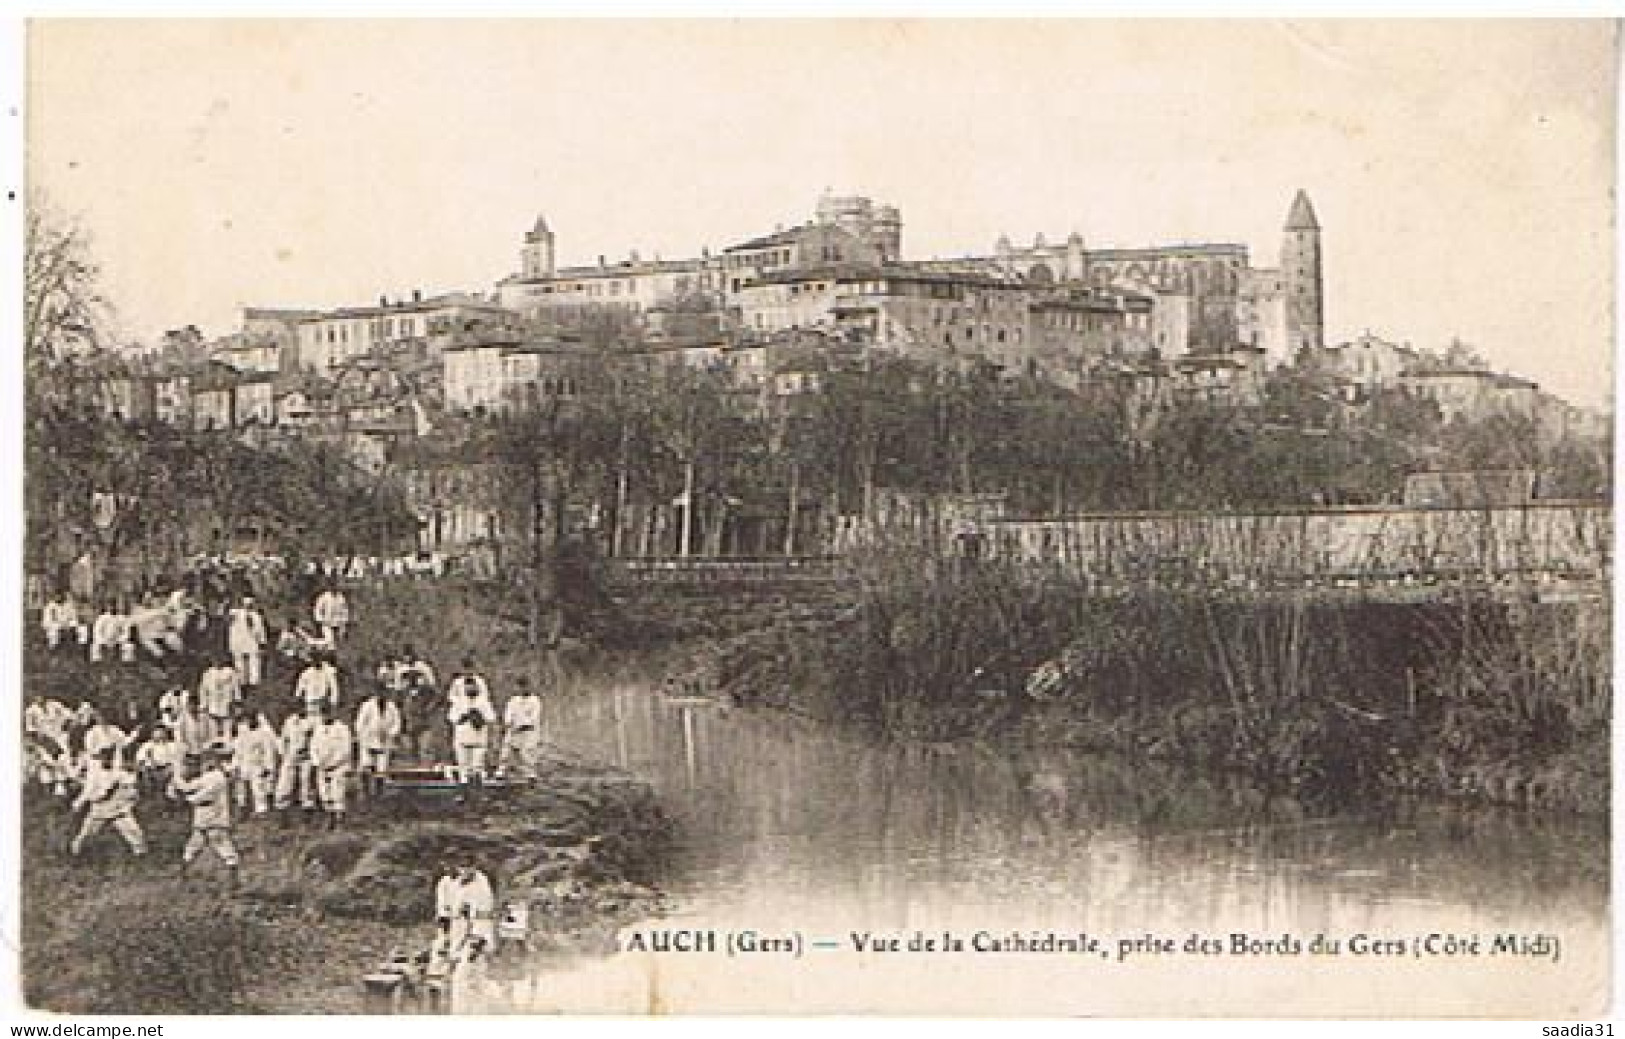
[1014,518]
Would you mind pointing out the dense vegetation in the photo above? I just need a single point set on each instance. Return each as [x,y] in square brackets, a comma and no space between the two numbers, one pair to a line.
[181,493]
[1323,699]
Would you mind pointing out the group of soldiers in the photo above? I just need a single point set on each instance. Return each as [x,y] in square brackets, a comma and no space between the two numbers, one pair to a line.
[253,721]
[228,740]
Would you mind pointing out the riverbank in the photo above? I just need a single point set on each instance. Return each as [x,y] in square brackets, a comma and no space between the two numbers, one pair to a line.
[587,848]
[1336,702]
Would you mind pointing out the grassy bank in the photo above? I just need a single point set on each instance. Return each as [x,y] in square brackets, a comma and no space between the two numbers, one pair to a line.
[1332,701]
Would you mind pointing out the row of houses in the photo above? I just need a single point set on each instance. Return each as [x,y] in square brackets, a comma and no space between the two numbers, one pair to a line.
[1462,386]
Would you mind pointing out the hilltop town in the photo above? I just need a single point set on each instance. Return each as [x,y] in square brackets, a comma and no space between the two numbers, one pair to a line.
[1092,357]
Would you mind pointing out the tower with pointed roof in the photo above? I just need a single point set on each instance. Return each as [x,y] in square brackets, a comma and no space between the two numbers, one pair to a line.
[536,258]
[1301,277]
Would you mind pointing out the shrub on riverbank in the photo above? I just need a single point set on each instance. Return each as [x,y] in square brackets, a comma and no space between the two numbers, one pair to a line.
[1519,706]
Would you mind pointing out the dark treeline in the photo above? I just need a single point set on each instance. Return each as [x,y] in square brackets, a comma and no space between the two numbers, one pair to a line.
[652,458]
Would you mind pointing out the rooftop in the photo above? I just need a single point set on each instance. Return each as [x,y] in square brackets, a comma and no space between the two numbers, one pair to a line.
[900,272]
[1500,380]
[770,240]
[420,306]
[279,313]
[1179,249]
[1302,216]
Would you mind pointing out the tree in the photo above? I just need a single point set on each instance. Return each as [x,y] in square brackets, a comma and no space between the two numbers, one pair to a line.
[64,316]
[64,313]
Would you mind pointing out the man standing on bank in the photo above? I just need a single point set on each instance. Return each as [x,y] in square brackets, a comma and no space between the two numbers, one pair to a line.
[332,754]
[219,692]
[471,715]
[377,727]
[246,638]
[522,732]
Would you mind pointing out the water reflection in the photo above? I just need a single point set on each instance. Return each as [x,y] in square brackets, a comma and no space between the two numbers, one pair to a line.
[790,825]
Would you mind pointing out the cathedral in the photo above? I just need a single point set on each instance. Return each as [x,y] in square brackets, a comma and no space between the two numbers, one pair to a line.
[1210,295]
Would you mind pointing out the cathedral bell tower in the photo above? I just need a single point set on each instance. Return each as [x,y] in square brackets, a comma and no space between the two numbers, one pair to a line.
[1301,277]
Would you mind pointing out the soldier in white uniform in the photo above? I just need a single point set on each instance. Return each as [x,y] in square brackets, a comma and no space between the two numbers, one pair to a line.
[471,715]
[474,907]
[191,730]
[219,691]
[377,727]
[209,794]
[522,732]
[60,619]
[47,717]
[332,613]
[445,896]
[109,798]
[255,755]
[110,636]
[102,735]
[153,628]
[297,775]
[318,685]
[332,755]
[246,638]
[170,705]
[158,760]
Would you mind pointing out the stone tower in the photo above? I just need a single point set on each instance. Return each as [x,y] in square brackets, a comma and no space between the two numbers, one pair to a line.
[1076,259]
[879,226]
[536,258]
[1301,277]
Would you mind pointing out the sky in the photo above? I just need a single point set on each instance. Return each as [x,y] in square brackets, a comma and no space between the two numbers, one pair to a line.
[1463,171]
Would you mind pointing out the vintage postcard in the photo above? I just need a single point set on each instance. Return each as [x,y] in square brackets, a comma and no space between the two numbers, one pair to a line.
[872,517]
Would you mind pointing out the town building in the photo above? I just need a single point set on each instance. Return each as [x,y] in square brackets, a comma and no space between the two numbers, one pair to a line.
[254,399]
[249,354]
[337,335]
[504,373]
[1074,331]
[1473,394]
[1367,363]
[213,389]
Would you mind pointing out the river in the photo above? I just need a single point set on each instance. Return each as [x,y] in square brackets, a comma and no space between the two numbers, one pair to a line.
[819,838]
